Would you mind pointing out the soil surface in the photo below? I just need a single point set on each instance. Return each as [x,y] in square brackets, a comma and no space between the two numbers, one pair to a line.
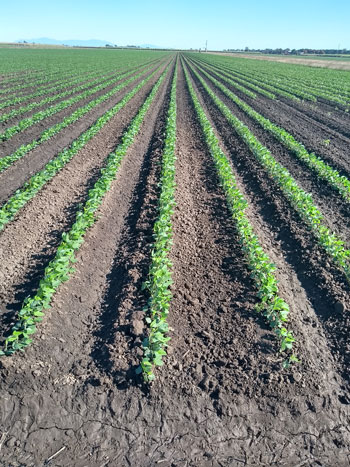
[309,61]
[73,91]
[334,207]
[222,397]
[33,132]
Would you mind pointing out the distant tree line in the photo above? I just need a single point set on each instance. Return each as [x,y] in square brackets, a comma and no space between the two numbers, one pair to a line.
[293,51]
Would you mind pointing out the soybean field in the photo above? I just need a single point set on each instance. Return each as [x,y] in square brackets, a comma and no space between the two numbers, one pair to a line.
[174,260]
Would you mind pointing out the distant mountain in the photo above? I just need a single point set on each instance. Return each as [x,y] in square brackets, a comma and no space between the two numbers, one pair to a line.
[70,42]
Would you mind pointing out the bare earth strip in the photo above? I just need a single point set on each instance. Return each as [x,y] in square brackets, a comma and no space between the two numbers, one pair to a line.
[337,65]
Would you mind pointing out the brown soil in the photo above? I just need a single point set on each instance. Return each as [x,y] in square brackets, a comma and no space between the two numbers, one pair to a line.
[222,398]
[88,82]
[33,132]
[307,129]
[326,115]
[22,268]
[335,209]
[334,64]
[14,177]
[10,89]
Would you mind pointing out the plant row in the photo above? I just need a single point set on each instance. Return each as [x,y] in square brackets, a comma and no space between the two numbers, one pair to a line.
[25,77]
[299,199]
[62,80]
[37,82]
[47,90]
[234,80]
[48,100]
[263,88]
[303,91]
[39,116]
[8,160]
[66,84]
[329,91]
[15,77]
[159,278]
[330,88]
[65,75]
[37,181]
[286,83]
[25,62]
[51,98]
[315,163]
[60,267]
[235,84]
[271,305]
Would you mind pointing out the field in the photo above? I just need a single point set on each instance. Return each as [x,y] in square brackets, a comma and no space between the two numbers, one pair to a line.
[340,62]
[174,262]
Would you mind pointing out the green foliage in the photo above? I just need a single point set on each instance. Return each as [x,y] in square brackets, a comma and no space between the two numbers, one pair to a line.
[234,80]
[273,307]
[60,267]
[42,90]
[65,82]
[299,199]
[288,80]
[315,163]
[259,85]
[48,100]
[41,79]
[37,181]
[7,161]
[159,278]
[41,115]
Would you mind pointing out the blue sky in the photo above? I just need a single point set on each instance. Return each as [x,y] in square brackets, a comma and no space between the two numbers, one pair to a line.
[182,23]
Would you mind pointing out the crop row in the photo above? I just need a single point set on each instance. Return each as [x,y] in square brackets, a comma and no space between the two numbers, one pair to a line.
[315,163]
[234,80]
[48,100]
[19,79]
[41,115]
[330,90]
[263,88]
[69,64]
[46,86]
[8,160]
[291,82]
[236,84]
[9,210]
[63,84]
[25,77]
[17,76]
[301,90]
[58,87]
[37,82]
[299,199]
[271,305]
[159,278]
[60,267]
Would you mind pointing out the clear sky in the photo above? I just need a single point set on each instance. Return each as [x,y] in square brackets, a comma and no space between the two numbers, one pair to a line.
[182,23]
